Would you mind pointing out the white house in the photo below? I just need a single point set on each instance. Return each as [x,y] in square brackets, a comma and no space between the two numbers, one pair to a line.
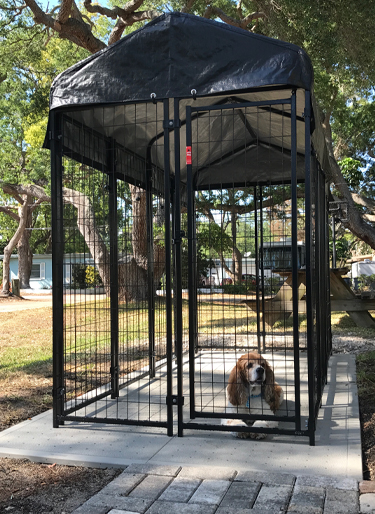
[41,271]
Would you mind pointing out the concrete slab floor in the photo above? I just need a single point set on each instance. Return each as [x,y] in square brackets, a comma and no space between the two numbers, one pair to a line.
[337,452]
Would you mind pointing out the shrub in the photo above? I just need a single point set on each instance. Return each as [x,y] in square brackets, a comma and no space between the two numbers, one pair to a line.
[92,277]
[85,276]
[235,288]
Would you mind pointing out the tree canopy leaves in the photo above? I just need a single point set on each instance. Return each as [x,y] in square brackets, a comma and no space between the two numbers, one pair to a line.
[36,43]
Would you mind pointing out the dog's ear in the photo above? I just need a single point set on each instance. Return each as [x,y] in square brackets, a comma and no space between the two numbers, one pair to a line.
[272,390]
[236,390]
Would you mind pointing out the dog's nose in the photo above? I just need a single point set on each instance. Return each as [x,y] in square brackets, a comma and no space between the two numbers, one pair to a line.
[260,371]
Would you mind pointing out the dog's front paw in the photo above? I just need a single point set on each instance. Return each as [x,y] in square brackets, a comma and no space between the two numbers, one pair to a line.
[249,435]
[258,436]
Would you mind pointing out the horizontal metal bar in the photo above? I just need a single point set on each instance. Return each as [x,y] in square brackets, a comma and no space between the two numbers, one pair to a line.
[114,421]
[286,306]
[260,417]
[86,403]
[255,430]
[100,396]
[247,183]
[260,103]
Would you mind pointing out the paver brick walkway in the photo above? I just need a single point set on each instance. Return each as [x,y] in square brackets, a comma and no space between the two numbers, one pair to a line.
[153,489]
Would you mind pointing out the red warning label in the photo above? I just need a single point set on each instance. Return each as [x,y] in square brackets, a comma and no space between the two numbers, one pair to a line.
[188,155]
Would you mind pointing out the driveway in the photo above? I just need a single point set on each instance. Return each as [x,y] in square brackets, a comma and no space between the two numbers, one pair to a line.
[28,301]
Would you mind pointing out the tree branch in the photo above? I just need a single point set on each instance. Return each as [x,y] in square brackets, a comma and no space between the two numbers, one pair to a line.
[240,23]
[114,13]
[365,202]
[65,10]
[41,17]
[356,223]
[117,31]
[74,28]
[127,20]
[188,6]
[9,212]
[16,190]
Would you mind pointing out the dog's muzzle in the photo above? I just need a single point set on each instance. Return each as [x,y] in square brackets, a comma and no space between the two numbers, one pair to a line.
[259,376]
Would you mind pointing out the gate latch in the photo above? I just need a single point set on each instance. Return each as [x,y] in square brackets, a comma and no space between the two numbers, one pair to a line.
[175,400]
[59,392]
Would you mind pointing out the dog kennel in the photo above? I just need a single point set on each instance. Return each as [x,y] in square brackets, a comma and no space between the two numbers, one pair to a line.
[189,198]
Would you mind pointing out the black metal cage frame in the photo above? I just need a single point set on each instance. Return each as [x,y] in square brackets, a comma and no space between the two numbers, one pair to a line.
[170,150]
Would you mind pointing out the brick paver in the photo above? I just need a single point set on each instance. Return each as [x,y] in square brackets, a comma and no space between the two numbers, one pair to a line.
[153,489]
[210,492]
[181,490]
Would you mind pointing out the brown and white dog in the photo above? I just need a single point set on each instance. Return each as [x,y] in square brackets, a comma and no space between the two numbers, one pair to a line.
[252,390]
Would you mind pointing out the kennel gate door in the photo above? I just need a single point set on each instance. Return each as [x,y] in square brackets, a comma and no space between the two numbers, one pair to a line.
[228,148]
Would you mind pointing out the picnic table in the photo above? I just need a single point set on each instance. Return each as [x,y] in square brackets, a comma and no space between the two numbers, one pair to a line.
[280,306]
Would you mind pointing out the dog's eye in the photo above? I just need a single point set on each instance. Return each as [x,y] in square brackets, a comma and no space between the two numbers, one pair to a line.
[249,365]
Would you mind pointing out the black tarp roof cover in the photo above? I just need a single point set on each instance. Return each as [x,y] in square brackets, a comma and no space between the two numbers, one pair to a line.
[168,58]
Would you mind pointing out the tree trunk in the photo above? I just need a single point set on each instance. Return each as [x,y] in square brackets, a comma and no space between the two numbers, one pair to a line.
[133,270]
[139,229]
[356,224]
[87,226]
[236,254]
[25,255]
[237,265]
[11,246]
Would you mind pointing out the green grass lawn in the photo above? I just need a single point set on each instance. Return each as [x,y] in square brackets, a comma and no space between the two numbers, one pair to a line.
[26,345]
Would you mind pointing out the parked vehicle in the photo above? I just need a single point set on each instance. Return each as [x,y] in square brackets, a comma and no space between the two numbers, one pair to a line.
[249,279]
[207,281]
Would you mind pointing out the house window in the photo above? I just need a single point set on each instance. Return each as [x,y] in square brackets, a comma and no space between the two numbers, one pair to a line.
[38,271]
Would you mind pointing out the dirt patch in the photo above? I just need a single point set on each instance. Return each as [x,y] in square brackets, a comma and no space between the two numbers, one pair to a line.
[366,395]
[27,487]
[368,438]
[10,298]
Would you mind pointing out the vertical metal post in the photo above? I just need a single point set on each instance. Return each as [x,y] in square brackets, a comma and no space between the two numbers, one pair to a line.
[192,281]
[178,267]
[320,283]
[333,242]
[258,250]
[113,271]
[261,265]
[309,263]
[168,268]
[57,210]
[325,266]
[297,379]
[150,265]
[322,267]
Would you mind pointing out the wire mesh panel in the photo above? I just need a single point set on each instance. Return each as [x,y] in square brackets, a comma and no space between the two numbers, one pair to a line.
[115,346]
[249,280]
[167,272]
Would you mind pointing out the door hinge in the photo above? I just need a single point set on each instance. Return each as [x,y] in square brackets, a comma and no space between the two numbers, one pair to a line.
[177,240]
[175,400]
[170,124]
